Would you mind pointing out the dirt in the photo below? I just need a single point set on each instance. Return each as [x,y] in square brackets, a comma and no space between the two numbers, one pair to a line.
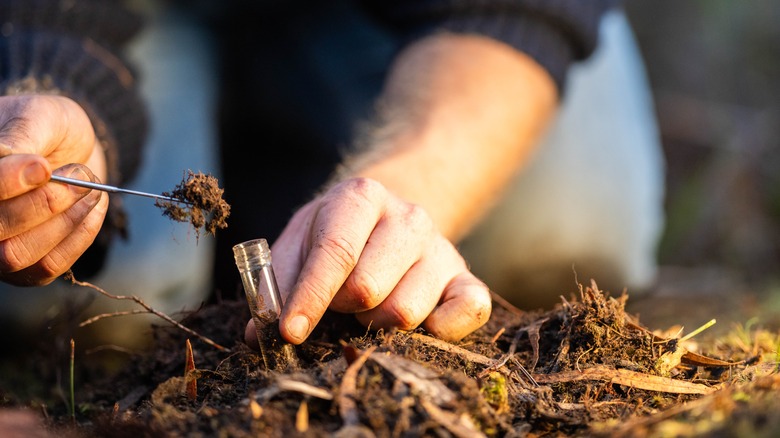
[203,205]
[585,368]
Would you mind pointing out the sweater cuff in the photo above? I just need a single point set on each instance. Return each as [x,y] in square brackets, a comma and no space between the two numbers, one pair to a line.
[537,39]
[70,49]
[555,33]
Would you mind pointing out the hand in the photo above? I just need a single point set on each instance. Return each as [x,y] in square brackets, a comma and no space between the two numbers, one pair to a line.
[46,226]
[359,249]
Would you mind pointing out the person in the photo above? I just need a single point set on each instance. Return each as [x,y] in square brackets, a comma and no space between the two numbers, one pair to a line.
[441,103]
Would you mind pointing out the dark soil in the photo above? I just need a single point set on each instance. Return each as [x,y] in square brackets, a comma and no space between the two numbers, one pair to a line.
[204,207]
[585,368]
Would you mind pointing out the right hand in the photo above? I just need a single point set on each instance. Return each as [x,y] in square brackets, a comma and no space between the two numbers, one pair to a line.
[46,226]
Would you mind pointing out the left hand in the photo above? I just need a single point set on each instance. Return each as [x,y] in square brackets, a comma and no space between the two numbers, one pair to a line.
[359,249]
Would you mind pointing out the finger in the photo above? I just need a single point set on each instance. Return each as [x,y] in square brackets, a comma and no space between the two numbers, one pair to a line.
[465,307]
[418,292]
[287,251]
[25,249]
[250,336]
[22,173]
[339,232]
[25,212]
[64,254]
[394,246]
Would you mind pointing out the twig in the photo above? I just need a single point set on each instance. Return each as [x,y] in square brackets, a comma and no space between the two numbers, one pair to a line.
[97,318]
[497,335]
[506,304]
[348,389]
[454,349]
[533,334]
[69,276]
[627,378]
[525,373]
[459,426]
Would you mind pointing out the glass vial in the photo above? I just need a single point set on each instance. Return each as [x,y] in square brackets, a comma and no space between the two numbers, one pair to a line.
[253,259]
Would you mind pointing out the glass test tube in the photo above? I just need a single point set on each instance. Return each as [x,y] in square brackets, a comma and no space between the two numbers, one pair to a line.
[253,259]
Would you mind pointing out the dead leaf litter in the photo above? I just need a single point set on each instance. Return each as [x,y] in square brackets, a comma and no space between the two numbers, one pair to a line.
[585,368]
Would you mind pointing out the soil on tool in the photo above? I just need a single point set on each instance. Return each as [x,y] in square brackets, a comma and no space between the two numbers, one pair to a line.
[205,208]
[585,368]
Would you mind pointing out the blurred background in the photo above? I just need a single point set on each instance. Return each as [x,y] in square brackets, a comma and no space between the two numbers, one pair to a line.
[714,66]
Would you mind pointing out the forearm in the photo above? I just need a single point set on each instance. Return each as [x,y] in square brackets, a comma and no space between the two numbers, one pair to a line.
[452,148]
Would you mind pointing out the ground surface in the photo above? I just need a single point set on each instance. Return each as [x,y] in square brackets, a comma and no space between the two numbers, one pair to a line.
[584,368]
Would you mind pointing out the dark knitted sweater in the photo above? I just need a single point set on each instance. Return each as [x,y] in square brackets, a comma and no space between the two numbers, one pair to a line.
[295,78]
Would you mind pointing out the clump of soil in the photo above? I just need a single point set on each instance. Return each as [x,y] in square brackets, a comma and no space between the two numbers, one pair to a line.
[204,207]
[585,368]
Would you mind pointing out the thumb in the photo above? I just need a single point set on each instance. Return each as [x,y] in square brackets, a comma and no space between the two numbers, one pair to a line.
[22,173]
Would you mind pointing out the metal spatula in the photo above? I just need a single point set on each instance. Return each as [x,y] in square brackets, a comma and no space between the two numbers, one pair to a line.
[112,189]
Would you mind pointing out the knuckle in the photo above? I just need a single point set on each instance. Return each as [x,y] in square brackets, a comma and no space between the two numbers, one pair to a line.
[365,188]
[363,289]
[13,256]
[15,130]
[27,116]
[6,188]
[44,202]
[75,121]
[91,228]
[52,266]
[339,251]
[315,295]
[401,315]
[416,217]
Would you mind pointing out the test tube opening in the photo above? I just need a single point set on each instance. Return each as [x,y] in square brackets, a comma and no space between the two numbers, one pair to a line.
[253,259]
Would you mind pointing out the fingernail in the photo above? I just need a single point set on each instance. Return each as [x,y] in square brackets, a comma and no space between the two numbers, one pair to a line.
[299,327]
[34,174]
[94,197]
[79,173]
